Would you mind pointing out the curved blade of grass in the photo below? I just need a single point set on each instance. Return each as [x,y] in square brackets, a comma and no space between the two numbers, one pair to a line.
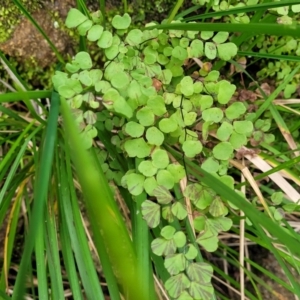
[69,262]
[231,258]
[23,96]
[19,85]
[70,214]
[141,242]
[140,230]
[269,56]
[238,10]
[227,194]
[10,239]
[12,114]
[232,253]
[14,215]
[12,70]
[255,280]
[40,192]
[106,220]
[4,164]
[253,28]
[268,100]
[295,284]
[38,27]
[4,296]
[174,11]
[279,166]
[52,250]
[81,6]
[67,251]
[41,266]
[103,11]
[187,11]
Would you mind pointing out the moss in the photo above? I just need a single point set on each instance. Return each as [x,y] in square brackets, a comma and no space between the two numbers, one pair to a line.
[10,16]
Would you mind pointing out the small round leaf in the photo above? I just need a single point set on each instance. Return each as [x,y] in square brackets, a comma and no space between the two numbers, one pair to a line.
[227,51]
[226,91]
[162,194]
[243,127]
[223,151]
[154,136]
[106,40]
[179,211]
[224,131]
[135,183]
[120,80]
[134,37]
[177,171]
[137,148]
[213,114]
[160,158]
[235,110]
[167,125]
[168,232]
[119,22]
[187,86]
[151,213]
[145,116]
[210,50]
[179,239]
[95,33]
[84,60]
[147,169]
[157,105]
[134,129]
[221,37]
[75,18]
[192,148]
[165,179]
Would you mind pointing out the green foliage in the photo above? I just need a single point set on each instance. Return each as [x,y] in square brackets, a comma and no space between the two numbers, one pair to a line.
[159,111]
[146,100]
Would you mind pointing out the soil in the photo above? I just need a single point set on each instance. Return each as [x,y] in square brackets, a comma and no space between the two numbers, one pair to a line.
[27,43]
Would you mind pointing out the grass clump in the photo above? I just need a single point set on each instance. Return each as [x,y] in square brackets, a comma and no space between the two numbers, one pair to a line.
[167,131]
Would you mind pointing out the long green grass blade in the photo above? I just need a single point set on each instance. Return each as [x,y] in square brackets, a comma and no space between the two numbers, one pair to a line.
[174,11]
[69,210]
[253,28]
[104,214]
[269,56]
[11,231]
[23,96]
[268,100]
[238,10]
[52,250]
[141,241]
[40,193]
[41,266]
[4,164]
